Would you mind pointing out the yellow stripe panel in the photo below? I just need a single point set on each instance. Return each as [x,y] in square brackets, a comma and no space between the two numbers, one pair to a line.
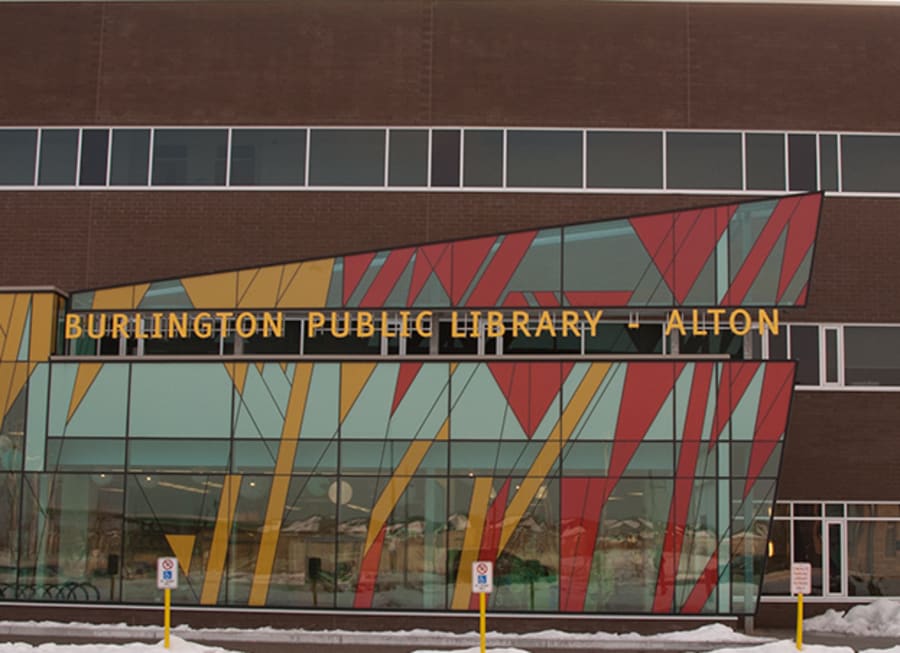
[212,290]
[284,464]
[309,287]
[215,565]
[84,377]
[551,450]
[478,509]
[183,548]
[238,374]
[353,379]
[259,288]
[123,297]
[15,326]
[43,326]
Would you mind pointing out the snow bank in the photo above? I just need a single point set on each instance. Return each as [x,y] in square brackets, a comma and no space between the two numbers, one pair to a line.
[881,618]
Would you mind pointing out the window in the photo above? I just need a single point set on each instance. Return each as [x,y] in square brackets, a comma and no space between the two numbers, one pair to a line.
[59,153]
[94,150]
[624,160]
[802,171]
[17,156]
[765,162]
[408,155]
[445,157]
[704,160]
[544,159]
[268,157]
[870,163]
[828,162]
[346,157]
[130,157]
[189,157]
[872,355]
[805,350]
[483,154]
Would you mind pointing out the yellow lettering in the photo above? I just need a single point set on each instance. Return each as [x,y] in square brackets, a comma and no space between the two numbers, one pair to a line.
[224,316]
[73,326]
[570,322]
[420,324]
[386,326]
[316,321]
[345,331]
[404,324]
[178,326]
[494,324]
[675,322]
[770,322]
[119,326]
[157,327]
[96,325]
[365,327]
[592,320]
[245,325]
[203,325]
[139,332]
[695,324]
[520,322]
[732,322]
[545,323]
[454,330]
[716,313]
[476,327]
[272,326]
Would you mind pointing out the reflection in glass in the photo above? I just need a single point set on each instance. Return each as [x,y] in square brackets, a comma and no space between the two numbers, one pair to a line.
[873,558]
[624,160]
[408,164]
[59,151]
[483,158]
[543,159]
[871,355]
[130,157]
[870,163]
[346,157]
[17,156]
[704,160]
[189,157]
[765,162]
[268,157]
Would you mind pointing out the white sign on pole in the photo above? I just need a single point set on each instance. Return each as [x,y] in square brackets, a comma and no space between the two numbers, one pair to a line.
[167,573]
[801,578]
[482,577]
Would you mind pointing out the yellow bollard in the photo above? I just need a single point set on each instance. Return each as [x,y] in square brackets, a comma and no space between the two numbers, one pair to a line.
[482,602]
[167,621]
[799,622]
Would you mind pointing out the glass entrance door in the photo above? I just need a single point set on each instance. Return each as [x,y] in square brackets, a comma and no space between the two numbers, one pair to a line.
[835,581]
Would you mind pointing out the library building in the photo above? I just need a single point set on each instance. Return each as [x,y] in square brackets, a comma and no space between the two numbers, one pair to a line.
[330,301]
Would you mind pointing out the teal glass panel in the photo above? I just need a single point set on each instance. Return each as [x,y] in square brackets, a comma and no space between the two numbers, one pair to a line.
[585,458]
[695,258]
[698,544]
[101,410]
[12,433]
[168,294]
[178,455]
[70,526]
[742,454]
[82,301]
[526,574]
[356,498]
[244,541]
[312,456]
[608,257]
[599,419]
[158,505]
[706,459]
[36,438]
[541,267]
[180,400]
[743,419]
[370,413]
[382,457]
[424,406]
[478,407]
[73,454]
[10,522]
[306,540]
[749,542]
[499,458]
[322,402]
[649,458]
[695,373]
[628,550]
[744,229]
[260,408]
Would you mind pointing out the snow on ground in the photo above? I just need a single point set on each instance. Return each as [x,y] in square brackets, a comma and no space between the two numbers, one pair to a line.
[881,618]
[176,645]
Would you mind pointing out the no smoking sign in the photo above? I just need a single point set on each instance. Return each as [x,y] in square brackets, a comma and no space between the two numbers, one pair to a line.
[482,577]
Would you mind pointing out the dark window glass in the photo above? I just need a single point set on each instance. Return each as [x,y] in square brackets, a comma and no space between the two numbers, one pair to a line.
[703,160]
[130,156]
[778,346]
[483,158]
[872,355]
[324,343]
[408,165]
[613,338]
[346,157]
[807,509]
[808,548]
[445,157]
[831,355]
[542,344]
[181,346]
[268,157]
[17,151]
[450,345]
[724,343]
[94,148]
[624,159]
[828,162]
[59,151]
[189,157]
[805,350]
[543,159]
[802,156]
[289,344]
[417,345]
[870,163]
[765,162]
